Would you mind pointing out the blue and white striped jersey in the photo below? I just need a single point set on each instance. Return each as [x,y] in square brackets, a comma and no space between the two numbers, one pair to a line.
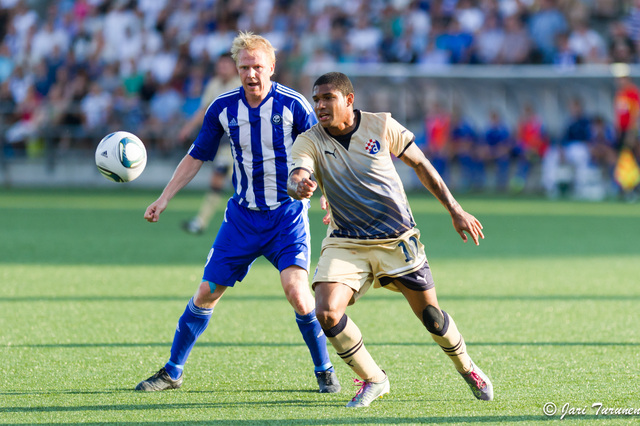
[261,140]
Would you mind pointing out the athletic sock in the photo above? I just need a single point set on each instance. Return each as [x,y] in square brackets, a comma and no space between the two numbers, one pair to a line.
[316,341]
[208,208]
[347,341]
[452,343]
[191,324]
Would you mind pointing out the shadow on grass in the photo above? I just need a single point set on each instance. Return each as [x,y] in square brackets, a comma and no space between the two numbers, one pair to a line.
[343,420]
[270,297]
[286,344]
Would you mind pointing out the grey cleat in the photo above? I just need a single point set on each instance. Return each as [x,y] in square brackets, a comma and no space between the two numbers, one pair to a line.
[328,382]
[160,381]
[479,383]
[368,392]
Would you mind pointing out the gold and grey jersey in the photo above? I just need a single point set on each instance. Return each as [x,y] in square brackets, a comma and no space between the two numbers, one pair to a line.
[365,194]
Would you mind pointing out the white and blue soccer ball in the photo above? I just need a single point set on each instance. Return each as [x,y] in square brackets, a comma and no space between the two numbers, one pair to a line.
[121,156]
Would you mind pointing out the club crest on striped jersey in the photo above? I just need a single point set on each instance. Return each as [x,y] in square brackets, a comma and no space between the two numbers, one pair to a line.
[276,119]
[372,147]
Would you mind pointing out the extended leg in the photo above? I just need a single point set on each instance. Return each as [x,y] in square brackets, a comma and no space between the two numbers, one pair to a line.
[191,325]
[296,288]
[444,332]
[331,302]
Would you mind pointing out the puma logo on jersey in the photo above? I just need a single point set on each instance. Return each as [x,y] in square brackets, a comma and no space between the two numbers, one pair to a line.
[331,153]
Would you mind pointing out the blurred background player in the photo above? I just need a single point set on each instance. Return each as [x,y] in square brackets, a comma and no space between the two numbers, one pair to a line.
[626,107]
[262,118]
[372,238]
[627,120]
[225,79]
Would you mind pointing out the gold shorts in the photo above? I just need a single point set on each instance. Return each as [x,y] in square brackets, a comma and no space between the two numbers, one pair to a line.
[361,263]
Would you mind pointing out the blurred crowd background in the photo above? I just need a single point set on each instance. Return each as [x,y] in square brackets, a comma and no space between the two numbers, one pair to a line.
[72,71]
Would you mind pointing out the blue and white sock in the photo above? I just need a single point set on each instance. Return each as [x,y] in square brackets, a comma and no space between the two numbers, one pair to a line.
[191,324]
[316,341]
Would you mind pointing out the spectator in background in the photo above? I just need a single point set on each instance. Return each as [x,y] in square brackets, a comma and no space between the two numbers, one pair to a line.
[544,26]
[494,151]
[364,40]
[417,24]
[91,35]
[457,42]
[42,79]
[109,79]
[586,43]
[621,47]
[96,107]
[45,39]
[128,111]
[602,146]
[516,44]
[165,113]
[632,22]
[437,133]
[192,88]
[532,142]
[564,58]
[25,126]
[19,83]
[163,63]
[24,19]
[463,143]
[119,23]
[6,63]
[565,165]
[434,56]
[469,16]
[488,41]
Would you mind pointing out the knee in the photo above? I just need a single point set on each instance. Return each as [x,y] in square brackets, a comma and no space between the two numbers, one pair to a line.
[327,318]
[205,294]
[435,320]
[299,296]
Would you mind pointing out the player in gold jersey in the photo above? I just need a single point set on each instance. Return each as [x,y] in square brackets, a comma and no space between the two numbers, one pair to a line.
[372,238]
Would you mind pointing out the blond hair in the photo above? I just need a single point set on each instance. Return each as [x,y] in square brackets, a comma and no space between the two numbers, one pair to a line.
[246,40]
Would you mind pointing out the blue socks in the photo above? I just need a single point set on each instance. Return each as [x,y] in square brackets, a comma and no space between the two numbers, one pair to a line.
[191,324]
[315,339]
[195,320]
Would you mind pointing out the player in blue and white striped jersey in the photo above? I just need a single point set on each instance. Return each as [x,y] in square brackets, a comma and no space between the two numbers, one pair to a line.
[262,119]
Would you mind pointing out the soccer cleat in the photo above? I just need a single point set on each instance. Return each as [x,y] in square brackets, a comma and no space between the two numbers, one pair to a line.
[192,227]
[368,392]
[328,382]
[160,381]
[479,383]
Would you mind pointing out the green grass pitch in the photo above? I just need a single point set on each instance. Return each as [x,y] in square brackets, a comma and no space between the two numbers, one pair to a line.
[91,293]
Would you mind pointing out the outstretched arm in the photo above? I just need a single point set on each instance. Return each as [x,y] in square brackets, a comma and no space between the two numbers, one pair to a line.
[185,171]
[431,179]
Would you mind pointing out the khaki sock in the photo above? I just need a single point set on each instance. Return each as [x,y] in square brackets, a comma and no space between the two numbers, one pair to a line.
[453,345]
[347,341]
[208,208]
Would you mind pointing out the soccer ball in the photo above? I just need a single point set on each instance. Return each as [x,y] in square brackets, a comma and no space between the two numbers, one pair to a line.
[121,156]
